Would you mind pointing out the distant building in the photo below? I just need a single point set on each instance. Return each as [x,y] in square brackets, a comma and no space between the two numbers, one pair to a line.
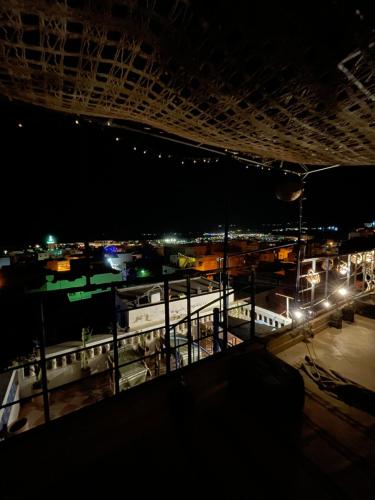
[4,261]
[142,307]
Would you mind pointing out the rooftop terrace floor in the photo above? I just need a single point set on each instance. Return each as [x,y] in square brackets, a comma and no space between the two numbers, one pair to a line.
[338,438]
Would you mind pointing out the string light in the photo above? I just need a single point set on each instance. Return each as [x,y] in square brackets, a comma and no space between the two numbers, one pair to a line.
[185,161]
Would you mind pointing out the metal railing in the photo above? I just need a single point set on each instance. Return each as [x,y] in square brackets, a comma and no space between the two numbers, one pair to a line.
[160,348]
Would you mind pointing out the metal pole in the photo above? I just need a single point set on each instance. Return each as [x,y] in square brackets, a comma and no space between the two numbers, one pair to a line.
[220,261]
[115,344]
[225,282]
[43,366]
[348,274]
[189,336]
[252,312]
[299,245]
[363,270]
[312,296]
[199,336]
[326,285]
[167,338]
[216,343]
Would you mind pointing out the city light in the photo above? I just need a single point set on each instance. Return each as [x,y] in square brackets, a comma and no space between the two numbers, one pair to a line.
[298,314]
[51,240]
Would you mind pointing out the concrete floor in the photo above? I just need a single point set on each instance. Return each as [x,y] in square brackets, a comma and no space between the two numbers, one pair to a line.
[350,351]
[338,438]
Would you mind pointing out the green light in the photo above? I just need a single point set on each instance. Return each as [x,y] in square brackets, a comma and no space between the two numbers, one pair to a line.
[143,273]
[51,240]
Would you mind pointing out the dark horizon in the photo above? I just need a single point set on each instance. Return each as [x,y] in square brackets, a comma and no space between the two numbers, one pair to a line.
[79,182]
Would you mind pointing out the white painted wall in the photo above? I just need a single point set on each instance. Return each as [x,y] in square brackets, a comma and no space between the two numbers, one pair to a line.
[152,315]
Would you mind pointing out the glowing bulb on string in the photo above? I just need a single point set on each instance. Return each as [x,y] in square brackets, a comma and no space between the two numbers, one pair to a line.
[76,122]
[135,148]
[117,139]
[19,125]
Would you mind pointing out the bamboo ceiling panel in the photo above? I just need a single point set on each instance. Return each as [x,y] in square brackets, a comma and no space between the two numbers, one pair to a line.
[271,81]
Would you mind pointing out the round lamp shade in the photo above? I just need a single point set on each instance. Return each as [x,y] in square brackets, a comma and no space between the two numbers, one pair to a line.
[289,190]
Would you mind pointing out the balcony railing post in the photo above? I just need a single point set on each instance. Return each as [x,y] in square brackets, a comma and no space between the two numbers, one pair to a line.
[167,339]
[252,311]
[43,365]
[216,343]
[225,283]
[115,344]
[189,336]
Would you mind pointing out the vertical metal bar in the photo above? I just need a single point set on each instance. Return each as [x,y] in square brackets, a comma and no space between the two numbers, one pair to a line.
[326,284]
[167,338]
[312,296]
[348,274]
[216,343]
[199,335]
[220,285]
[43,366]
[252,312]
[189,336]
[299,249]
[115,344]
[225,283]
[363,270]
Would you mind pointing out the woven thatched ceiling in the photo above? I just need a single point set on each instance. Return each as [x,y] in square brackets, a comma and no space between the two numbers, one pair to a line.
[264,81]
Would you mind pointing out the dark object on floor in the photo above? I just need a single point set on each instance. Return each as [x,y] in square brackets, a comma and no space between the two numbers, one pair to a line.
[336,320]
[366,306]
[348,314]
[18,426]
[340,387]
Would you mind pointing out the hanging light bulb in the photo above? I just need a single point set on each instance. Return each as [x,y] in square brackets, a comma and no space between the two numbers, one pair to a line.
[135,148]
[144,151]
[117,139]
[19,125]
[76,122]
[159,156]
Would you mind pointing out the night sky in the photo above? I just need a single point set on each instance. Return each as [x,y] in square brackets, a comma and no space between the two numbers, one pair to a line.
[77,182]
